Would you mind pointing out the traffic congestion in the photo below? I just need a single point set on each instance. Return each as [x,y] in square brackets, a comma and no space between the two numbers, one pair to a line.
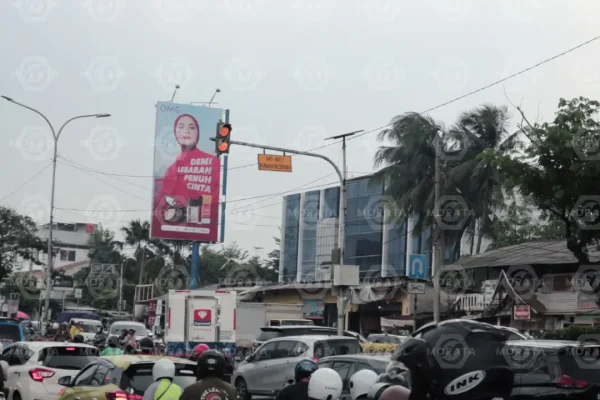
[452,358]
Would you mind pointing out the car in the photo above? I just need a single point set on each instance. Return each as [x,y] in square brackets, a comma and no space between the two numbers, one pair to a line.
[554,369]
[385,338]
[348,365]
[272,365]
[124,377]
[140,329]
[11,331]
[90,327]
[34,367]
[272,332]
[511,333]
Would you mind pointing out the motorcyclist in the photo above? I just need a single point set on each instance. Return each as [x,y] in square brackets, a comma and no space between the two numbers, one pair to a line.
[113,347]
[299,390]
[146,346]
[198,350]
[452,359]
[325,384]
[361,382]
[100,338]
[163,387]
[209,375]
[62,334]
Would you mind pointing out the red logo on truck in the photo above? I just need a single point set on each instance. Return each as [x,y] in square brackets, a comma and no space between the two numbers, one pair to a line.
[202,317]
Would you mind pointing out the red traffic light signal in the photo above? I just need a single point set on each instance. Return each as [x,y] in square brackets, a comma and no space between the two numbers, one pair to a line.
[223,138]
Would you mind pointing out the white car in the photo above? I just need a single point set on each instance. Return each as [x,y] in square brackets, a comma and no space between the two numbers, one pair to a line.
[90,327]
[272,365]
[118,326]
[35,367]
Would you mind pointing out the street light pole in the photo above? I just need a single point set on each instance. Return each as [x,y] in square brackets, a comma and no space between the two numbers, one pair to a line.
[55,137]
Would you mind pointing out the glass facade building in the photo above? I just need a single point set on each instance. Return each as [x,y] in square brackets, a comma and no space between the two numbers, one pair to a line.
[378,246]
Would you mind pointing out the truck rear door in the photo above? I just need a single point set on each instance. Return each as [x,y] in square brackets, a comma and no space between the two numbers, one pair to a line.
[202,319]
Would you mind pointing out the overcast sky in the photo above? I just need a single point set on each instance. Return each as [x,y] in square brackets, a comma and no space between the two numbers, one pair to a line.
[291,72]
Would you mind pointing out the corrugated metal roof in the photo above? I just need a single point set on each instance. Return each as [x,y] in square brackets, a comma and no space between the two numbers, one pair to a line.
[542,252]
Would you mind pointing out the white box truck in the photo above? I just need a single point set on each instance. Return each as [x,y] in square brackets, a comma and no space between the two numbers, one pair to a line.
[200,316]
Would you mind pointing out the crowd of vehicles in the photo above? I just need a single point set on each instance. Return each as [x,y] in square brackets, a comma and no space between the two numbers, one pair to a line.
[44,370]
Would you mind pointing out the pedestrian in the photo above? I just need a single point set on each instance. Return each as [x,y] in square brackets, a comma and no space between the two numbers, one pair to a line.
[325,384]
[361,382]
[210,371]
[299,390]
[163,387]
[113,347]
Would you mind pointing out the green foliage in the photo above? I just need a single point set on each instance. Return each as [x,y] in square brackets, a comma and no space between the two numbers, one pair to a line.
[17,238]
[559,169]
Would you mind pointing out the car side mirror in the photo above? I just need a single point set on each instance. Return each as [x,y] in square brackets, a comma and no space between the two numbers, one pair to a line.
[65,381]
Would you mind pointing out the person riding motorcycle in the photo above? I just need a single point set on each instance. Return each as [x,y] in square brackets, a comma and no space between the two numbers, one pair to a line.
[451,359]
[75,329]
[325,384]
[299,390]
[146,346]
[100,338]
[62,334]
[113,347]
[163,387]
[361,382]
[209,375]
[198,350]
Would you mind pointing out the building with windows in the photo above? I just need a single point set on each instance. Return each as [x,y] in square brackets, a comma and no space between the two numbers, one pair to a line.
[379,245]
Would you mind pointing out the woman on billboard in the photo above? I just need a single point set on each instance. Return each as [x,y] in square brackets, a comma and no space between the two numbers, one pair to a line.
[185,193]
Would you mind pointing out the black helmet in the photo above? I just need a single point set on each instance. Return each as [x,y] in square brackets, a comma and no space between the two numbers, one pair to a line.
[457,357]
[113,341]
[78,339]
[211,362]
[304,369]
[146,343]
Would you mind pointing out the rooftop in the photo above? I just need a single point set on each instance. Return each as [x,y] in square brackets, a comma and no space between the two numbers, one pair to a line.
[540,252]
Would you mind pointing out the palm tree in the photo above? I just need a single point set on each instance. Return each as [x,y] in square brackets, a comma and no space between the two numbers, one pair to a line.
[137,234]
[479,183]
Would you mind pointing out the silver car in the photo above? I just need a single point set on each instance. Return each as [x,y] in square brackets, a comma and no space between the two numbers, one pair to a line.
[272,365]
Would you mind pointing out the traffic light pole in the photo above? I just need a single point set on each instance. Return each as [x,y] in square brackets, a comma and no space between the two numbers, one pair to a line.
[342,212]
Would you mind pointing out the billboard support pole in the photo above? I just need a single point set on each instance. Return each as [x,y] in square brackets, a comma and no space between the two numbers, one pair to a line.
[195,268]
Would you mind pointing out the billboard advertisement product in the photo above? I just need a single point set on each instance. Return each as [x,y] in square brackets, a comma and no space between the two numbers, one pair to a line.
[187,173]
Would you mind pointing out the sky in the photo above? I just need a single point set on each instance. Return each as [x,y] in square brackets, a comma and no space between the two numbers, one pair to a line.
[292,73]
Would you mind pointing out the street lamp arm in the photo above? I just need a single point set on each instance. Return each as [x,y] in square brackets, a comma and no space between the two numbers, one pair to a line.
[72,119]
[35,111]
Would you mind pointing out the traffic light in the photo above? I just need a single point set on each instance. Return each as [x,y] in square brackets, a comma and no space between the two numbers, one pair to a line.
[223,137]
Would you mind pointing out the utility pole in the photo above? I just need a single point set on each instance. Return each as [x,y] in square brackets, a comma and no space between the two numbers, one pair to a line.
[55,136]
[120,287]
[438,236]
[342,221]
[342,209]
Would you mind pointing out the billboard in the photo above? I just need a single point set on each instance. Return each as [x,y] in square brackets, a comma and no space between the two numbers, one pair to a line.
[186,173]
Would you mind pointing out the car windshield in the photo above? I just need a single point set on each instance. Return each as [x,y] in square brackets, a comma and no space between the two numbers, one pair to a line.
[140,330]
[268,335]
[336,347]
[90,327]
[385,339]
[9,333]
[69,357]
[139,377]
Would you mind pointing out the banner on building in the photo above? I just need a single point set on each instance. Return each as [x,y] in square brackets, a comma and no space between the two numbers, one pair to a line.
[522,312]
[186,173]
[314,309]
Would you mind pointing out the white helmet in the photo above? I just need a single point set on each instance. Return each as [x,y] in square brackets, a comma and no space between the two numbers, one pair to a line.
[325,384]
[361,382]
[163,369]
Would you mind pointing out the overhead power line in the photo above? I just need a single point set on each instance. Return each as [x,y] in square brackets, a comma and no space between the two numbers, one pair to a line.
[28,181]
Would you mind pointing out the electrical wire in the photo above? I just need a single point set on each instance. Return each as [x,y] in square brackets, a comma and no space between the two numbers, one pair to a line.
[26,182]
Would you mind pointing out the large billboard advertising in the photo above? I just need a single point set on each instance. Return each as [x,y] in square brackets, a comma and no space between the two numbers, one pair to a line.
[186,173]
